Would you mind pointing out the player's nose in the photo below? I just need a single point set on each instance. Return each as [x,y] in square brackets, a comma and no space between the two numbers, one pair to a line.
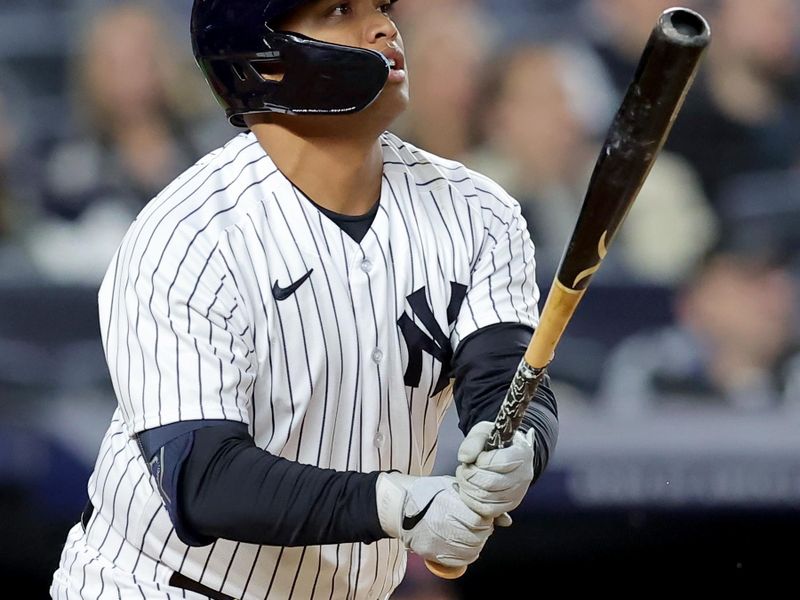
[381,29]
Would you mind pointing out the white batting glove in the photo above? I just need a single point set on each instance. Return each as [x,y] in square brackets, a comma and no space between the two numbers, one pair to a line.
[429,517]
[494,482]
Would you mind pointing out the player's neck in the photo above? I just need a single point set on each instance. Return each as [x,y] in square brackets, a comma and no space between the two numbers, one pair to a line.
[342,174]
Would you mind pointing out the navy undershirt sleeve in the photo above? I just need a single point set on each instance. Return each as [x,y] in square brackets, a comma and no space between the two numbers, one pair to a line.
[217,484]
[483,366]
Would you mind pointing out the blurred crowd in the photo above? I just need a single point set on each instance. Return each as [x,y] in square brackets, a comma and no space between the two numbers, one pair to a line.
[523,91]
[102,106]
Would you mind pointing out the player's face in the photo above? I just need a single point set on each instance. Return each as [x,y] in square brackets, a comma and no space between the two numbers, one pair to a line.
[364,24]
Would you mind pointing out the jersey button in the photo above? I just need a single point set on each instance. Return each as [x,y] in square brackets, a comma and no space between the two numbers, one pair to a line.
[366,265]
[380,439]
[377,356]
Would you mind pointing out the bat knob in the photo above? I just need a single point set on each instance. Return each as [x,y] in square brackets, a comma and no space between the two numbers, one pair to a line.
[443,571]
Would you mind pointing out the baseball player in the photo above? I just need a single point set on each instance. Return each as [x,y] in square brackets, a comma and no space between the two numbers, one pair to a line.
[285,326]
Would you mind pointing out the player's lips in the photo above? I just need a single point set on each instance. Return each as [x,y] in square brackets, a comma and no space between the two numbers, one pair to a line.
[397,61]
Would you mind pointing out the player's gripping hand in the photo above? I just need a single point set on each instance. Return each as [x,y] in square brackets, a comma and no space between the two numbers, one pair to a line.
[494,482]
[429,517]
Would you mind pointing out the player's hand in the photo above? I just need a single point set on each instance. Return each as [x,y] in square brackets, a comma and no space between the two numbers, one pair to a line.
[494,482]
[430,518]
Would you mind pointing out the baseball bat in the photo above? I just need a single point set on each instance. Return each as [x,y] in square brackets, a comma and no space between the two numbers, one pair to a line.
[666,71]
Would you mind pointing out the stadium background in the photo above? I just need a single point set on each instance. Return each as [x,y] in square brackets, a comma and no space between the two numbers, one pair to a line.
[678,381]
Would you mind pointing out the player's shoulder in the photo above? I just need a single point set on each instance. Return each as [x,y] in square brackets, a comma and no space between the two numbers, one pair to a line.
[211,181]
[425,168]
[220,164]
[430,171]
[204,201]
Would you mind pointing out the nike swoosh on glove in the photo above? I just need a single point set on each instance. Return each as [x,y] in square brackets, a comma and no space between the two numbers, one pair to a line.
[494,482]
[429,517]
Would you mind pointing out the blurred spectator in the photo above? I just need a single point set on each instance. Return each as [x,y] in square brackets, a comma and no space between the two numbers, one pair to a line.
[743,115]
[5,200]
[140,124]
[734,342]
[448,43]
[620,29]
[762,209]
[540,144]
[528,19]
[14,263]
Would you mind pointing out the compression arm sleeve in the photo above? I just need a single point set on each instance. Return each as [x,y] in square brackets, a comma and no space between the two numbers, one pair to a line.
[483,366]
[217,484]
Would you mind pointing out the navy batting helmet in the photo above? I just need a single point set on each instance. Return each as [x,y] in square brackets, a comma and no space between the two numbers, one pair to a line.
[237,47]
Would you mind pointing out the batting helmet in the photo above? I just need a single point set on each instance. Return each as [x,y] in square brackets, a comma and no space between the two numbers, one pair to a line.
[235,44]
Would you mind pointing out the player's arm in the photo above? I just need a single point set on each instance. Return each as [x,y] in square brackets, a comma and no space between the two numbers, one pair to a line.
[483,367]
[490,337]
[492,483]
[216,483]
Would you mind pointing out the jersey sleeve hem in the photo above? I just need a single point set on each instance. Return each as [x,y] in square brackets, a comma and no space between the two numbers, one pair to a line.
[152,422]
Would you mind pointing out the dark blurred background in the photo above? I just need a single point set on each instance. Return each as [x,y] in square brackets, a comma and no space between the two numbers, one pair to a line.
[679,378]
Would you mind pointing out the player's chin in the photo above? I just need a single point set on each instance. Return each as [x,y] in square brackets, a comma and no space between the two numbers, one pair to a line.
[396,94]
[390,104]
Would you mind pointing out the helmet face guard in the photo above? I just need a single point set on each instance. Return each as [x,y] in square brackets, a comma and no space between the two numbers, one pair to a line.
[253,69]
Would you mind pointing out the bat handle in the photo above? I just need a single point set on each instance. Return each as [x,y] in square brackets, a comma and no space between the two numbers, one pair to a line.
[522,389]
[444,571]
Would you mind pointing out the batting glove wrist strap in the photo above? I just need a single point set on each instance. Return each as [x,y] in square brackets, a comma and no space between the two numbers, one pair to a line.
[391,497]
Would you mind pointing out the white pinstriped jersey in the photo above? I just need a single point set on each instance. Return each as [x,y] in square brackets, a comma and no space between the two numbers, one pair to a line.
[199,321]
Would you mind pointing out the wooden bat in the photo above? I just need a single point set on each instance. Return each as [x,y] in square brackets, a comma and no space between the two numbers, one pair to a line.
[665,73]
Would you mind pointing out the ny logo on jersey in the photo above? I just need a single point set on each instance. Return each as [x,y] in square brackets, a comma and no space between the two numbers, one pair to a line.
[417,341]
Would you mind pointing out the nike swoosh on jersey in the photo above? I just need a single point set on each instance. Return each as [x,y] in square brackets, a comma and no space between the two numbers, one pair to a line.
[282,293]
[410,521]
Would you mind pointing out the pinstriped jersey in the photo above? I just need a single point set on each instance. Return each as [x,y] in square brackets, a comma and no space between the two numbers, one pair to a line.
[234,297]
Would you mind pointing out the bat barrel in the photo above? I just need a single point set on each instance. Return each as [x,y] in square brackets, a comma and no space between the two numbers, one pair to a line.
[664,75]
